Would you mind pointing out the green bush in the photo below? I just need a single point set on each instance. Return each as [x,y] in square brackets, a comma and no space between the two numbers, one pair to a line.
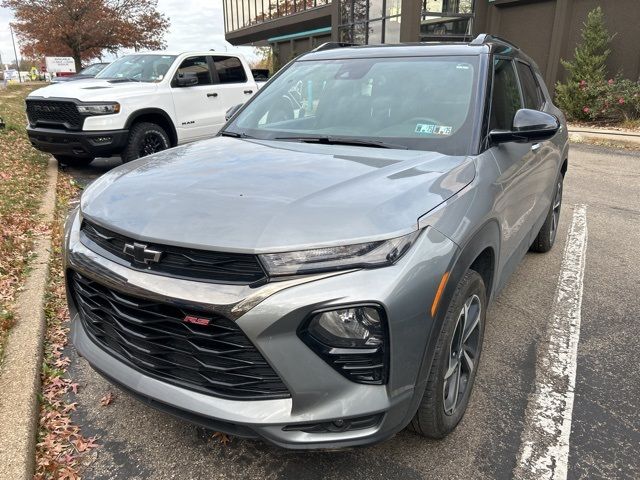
[587,95]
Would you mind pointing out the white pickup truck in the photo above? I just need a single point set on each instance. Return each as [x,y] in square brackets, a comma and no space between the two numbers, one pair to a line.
[138,105]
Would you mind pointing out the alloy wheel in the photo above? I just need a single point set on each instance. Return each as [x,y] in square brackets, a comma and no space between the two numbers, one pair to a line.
[152,142]
[463,354]
[555,216]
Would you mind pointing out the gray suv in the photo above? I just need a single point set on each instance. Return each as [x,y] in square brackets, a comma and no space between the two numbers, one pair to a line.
[318,275]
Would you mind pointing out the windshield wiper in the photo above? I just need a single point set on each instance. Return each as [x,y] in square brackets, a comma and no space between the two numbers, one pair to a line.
[331,140]
[123,79]
[227,133]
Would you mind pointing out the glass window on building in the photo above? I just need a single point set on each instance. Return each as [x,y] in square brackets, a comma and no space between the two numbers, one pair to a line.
[446,19]
[369,21]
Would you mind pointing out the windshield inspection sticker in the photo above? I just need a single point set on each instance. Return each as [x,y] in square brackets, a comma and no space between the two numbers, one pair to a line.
[433,129]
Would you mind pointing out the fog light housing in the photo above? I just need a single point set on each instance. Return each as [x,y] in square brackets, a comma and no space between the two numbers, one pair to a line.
[352,339]
[358,327]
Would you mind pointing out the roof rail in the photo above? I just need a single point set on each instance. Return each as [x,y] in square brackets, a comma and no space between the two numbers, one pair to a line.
[332,45]
[483,38]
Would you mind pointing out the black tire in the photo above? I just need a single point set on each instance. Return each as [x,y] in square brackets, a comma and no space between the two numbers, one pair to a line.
[145,138]
[440,410]
[70,161]
[547,235]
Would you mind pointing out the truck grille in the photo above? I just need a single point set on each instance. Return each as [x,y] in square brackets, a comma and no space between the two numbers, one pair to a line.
[54,114]
[153,337]
[179,262]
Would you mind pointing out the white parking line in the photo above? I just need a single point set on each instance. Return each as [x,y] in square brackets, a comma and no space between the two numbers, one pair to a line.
[544,451]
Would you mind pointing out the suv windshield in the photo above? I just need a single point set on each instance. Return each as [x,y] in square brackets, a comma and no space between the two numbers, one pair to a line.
[140,68]
[421,103]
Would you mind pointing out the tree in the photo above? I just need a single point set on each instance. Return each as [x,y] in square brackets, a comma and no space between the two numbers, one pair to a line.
[85,29]
[588,68]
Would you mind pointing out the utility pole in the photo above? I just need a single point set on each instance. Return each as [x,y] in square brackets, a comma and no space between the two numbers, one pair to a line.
[15,52]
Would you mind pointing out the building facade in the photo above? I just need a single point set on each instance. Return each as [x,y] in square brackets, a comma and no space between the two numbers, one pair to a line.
[548,30]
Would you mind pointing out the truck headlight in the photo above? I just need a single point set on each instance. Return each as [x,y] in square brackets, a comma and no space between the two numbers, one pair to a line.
[99,108]
[361,255]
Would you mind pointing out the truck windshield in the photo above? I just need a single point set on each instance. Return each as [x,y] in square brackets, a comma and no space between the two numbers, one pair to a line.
[419,103]
[138,68]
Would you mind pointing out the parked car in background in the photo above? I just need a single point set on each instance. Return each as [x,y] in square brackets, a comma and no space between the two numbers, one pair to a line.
[138,105]
[88,72]
[318,275]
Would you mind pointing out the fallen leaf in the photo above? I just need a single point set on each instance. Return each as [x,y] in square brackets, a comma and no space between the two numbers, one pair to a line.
[107,399]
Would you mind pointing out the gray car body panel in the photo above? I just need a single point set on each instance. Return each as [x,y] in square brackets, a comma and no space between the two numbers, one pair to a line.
[251,196]
[273,196]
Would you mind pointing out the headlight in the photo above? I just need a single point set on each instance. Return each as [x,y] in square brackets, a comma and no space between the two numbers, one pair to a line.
[99,108]
[361,255]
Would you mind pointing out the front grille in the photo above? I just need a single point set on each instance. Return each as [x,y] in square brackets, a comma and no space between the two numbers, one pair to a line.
[217,359]
[54,114]
[179,262]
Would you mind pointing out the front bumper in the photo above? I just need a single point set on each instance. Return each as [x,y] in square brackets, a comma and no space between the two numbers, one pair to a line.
[270,315]
[81,144]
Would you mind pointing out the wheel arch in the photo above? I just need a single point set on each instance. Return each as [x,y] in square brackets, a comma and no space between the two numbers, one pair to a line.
[480,253]
[157,116]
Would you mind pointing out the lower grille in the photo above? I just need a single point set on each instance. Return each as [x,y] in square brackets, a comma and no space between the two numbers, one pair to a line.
[54,114]
[211,354]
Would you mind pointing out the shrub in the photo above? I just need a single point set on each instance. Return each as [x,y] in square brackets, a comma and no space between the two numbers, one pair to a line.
[587,94]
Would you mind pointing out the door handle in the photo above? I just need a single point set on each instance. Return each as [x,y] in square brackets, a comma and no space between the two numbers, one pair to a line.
[212,94]
[248,91]
[535,147]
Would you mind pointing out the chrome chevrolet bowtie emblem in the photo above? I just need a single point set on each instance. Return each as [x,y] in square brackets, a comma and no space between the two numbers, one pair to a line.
[141,253]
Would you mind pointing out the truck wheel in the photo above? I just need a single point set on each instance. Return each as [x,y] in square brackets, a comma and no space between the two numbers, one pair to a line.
[455,362]
[145,138]
[70,161]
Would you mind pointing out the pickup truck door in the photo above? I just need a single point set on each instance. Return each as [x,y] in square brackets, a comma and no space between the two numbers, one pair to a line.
[234,84]
[195,105]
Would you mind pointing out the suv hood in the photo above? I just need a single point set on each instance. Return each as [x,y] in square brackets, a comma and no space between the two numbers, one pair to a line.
[256,196]
[93,89]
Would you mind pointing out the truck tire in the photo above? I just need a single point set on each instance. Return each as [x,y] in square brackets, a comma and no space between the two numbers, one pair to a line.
[145,138]
[70,161]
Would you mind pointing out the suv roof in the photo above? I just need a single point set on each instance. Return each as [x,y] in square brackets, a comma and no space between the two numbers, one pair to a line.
[482,44]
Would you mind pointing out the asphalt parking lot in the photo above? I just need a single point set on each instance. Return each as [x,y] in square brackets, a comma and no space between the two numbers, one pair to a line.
[139,442]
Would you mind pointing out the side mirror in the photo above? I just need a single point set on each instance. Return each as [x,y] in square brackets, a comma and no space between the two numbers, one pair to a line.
[186,79]
[528,125]
[231,112]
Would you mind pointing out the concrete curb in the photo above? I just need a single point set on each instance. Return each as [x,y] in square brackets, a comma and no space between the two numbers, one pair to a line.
[589,135]
[20,378]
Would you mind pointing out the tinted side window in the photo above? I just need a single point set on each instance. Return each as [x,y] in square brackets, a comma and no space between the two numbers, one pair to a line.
[199,66]
[230,70]
[506,95]
[530,89]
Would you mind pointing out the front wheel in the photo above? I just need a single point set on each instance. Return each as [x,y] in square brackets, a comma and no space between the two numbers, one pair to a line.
[455,361]
[145,138]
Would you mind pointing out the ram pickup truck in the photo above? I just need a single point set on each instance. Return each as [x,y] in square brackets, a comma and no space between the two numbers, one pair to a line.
[140,104]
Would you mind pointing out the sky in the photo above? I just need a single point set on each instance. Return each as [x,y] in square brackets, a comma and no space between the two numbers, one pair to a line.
[195,25]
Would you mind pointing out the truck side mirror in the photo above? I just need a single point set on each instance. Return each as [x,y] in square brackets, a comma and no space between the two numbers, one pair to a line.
[186,79]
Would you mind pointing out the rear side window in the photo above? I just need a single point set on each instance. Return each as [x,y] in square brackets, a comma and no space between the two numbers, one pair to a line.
[530,89]
[199,66]
[230,70]
[505,100]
